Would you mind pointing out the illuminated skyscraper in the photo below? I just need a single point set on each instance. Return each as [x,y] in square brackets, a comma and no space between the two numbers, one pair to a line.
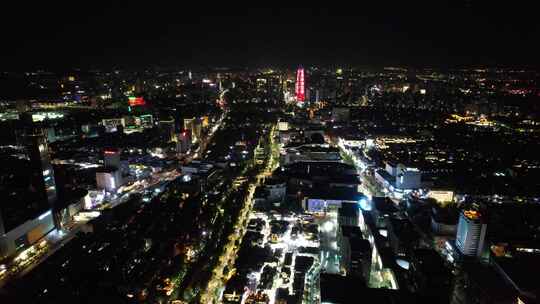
[471,233]
[34,140]
[300,89]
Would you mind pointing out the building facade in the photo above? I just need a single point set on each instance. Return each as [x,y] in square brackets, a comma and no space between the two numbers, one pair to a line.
[108,179]
[471,233]
[34,218]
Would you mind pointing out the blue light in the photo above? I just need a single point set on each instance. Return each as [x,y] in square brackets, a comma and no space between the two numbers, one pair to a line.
[364,204]
[403,264]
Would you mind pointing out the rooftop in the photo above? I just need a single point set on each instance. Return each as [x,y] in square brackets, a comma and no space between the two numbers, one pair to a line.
[344,194]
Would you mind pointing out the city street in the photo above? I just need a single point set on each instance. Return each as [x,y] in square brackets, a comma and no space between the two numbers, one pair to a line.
[217,282]
[330,253]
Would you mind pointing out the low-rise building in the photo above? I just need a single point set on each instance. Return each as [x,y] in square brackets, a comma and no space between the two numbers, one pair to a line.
[399,177]
[109,179]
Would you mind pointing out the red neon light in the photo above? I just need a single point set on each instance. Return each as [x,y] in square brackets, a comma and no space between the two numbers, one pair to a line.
[300,85]
[136,101]
[110,152]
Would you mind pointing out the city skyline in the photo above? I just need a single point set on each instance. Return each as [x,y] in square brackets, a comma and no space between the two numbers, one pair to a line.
[227,154]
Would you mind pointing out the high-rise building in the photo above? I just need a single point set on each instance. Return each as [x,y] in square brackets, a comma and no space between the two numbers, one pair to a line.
[300,89]
[139,87]
[197,130]
[40,162]
[111,158]
[471,233]
[26,215]
[167,130]
[188,123]
[183,143]
[193,125]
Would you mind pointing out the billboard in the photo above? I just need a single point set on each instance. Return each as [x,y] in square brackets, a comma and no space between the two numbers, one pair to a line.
[441,196]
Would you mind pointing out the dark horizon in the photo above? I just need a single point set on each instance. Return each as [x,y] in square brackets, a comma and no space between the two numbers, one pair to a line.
[467,33]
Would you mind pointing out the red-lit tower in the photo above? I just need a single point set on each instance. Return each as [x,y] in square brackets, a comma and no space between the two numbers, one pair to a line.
[300,85]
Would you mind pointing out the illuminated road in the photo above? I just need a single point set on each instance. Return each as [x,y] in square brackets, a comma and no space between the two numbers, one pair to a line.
[217,282]
[203,145]
[330,253]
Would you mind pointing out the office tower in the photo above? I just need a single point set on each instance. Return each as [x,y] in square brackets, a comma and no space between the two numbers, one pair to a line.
[300,85]
[26,212]
[111,158]
[139,87]
[188,123]
[471,233]
[193,125]
[167,130]
[184,141]
[42,177]
[197,129]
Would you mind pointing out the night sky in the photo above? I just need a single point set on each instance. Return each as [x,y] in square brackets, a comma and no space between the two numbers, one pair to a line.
[140,34]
